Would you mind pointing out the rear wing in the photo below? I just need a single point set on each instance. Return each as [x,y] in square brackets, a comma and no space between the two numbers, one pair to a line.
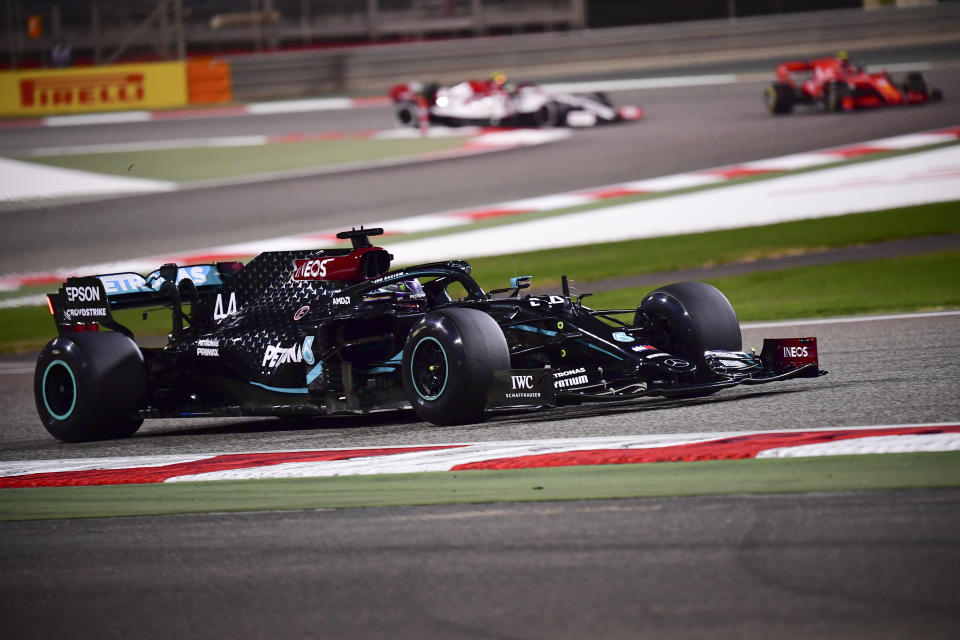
[86,303]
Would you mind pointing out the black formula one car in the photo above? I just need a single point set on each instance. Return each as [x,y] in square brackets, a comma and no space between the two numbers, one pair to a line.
[334,331]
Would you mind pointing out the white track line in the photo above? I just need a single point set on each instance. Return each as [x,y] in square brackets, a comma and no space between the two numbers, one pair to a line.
[296,106]
[631,84]
[848,319]
[119,117]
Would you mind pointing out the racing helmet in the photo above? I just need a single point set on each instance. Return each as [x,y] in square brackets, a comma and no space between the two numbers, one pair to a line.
[498,78]
[411,286]
[409,292]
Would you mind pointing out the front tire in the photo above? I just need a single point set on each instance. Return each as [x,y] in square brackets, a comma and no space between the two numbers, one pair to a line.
[548,115]
[90,386]
[448,364]
[778,98]
[694,317]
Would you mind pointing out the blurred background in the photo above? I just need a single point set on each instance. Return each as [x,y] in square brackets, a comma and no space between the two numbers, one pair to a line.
[101,31]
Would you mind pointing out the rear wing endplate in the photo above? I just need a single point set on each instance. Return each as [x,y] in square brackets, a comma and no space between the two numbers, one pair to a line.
[91,299]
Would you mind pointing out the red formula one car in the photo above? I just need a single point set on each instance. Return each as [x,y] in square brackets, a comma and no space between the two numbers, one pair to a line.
[835,84]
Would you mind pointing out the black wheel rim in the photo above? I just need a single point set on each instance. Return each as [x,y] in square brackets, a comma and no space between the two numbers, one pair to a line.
[429,369]
[59,389]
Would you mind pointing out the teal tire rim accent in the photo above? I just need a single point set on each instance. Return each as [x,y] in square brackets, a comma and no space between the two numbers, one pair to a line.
[429,368]
[59,390]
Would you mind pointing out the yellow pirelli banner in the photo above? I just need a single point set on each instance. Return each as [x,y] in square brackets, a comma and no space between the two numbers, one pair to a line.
[120,87]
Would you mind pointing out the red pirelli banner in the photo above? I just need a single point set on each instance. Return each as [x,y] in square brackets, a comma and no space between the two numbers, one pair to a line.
[88,89]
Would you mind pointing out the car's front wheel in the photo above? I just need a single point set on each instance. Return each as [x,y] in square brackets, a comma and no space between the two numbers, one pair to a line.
[778,98]
[448,364]
[693,317]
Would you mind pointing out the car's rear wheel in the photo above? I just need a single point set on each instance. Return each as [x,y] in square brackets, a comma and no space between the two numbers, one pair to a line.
[408,114]
[837,92]
[90,386]
[448,364]
[778,98]
[693,317]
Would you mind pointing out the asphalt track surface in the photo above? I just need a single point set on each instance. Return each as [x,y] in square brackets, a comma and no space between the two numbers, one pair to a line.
[848,565]
[684,129]
[797,566]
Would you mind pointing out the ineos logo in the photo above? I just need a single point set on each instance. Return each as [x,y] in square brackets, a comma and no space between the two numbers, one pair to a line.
[795,352]
[522,382]
[310,269]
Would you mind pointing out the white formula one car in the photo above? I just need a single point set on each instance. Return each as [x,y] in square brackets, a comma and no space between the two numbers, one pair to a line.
[494,103]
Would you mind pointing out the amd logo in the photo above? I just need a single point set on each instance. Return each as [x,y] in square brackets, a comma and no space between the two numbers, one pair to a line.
[341,300]
[83,294]
[521,382]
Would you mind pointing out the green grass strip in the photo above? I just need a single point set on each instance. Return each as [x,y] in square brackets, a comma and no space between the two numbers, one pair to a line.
[650,255]
[916,283]
[673,479]
[207,163]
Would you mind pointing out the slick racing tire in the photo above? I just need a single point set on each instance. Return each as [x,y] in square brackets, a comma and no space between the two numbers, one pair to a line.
[836,92]
[448,364]
[778,98]
[917,83]
[90,386]
[408,114]
[602,98]
[548,115]
[695,317]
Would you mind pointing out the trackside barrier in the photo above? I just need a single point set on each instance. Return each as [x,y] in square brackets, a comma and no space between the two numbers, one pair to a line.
[208,81]
[124,87]
[373,69]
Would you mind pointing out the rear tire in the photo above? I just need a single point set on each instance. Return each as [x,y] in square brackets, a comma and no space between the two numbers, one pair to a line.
[408,114]
[778,98]
[90,386]
[836,92]
[695,317]
[448,364]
